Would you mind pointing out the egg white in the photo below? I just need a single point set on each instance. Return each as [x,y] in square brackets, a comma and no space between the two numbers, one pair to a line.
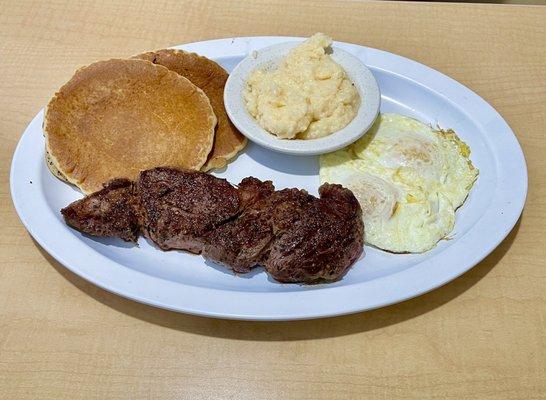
[409,180]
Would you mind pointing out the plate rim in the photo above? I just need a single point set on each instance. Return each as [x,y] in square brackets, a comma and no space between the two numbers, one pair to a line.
[272,311]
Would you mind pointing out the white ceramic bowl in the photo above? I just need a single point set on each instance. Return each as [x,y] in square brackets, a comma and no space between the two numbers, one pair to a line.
[269,57]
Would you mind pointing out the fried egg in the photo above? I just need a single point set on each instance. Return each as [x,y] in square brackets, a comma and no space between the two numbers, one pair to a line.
[409,179]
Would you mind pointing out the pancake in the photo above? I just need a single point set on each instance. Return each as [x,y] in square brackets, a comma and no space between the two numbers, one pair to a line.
[211,78]
[116,118]
[52,168]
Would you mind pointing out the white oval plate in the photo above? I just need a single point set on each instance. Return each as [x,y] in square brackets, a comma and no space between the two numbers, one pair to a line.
[269,57]
[183,282]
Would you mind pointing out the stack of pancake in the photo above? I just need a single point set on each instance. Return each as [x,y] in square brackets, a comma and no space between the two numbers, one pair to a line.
[118,117]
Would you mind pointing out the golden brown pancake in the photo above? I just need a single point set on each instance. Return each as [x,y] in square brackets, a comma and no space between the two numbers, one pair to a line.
[115,118]
[211,78]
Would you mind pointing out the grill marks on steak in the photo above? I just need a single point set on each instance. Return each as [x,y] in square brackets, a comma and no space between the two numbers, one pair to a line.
[109,212]
[319,241]
[246,241]
[177,209]
[239,243]
[295,236]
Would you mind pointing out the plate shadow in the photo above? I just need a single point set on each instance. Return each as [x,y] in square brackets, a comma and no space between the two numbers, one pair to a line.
[286,163]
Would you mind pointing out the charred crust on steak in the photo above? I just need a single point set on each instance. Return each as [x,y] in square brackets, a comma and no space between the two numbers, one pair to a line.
[109,212]
[178,208]
[295,236]
[321,241]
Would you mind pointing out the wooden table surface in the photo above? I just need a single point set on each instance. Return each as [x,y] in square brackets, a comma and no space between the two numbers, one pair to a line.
[481,336]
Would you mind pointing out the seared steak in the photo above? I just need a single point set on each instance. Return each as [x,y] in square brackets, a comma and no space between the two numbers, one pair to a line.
[295,236]
[251,190]
[239,243]
[108,212]
[178,208]
[319,241]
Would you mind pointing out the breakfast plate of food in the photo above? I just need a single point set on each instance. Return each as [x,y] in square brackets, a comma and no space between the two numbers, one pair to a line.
[320,178]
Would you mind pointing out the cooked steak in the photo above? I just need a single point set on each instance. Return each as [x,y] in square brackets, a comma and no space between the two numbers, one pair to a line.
[178,208]
[245,242]
[319,241]
[239,243]
[251,190]
[295,236]
[108,212]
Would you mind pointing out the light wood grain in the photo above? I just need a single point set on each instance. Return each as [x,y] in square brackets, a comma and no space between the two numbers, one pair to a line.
[481,336]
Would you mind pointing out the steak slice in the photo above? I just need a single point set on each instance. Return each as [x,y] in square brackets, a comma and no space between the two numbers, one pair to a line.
[252,190]
[178,208]
[239,243]
[245,241]
[319,241]
[108,212]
